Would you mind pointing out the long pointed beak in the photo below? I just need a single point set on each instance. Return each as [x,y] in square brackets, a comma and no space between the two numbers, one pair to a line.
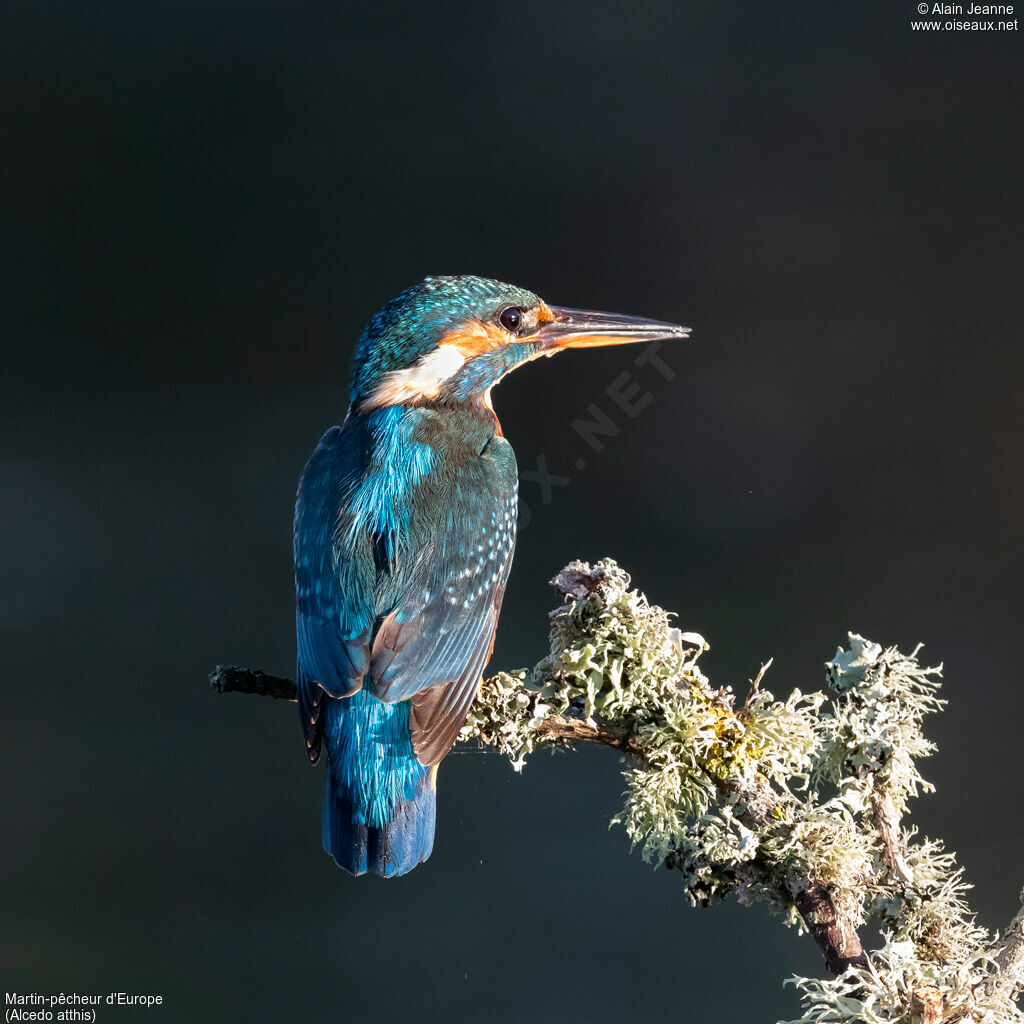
[582,328]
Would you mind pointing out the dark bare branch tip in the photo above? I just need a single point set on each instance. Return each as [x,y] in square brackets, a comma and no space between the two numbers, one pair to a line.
[233,679]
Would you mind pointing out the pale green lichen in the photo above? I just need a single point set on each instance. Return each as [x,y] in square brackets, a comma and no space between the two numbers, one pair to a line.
[760,798]
[505,716]
[873,736]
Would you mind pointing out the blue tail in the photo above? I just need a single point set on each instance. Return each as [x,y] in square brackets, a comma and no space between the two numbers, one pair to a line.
[379,801]
[394,848]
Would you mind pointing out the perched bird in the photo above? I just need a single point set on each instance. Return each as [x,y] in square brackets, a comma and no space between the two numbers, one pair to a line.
[405,522]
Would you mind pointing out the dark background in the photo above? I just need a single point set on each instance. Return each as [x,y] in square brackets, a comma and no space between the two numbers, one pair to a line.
[204,202]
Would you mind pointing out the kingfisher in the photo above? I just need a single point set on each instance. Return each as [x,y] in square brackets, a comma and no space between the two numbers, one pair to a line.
[405,524]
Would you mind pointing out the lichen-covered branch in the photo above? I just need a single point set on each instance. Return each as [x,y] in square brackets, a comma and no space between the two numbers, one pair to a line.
[796,804]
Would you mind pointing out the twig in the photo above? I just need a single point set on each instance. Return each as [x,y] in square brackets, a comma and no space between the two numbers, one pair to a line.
[1011,957]
[926,1006]
[1009,976]
[886,822]
[232,679]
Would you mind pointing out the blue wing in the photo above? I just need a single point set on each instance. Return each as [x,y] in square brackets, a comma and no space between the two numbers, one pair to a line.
[433,646]
[333,611]
[399,587]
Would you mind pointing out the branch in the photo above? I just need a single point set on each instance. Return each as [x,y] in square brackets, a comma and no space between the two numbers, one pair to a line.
[772,801]
[232,679]
[835,934]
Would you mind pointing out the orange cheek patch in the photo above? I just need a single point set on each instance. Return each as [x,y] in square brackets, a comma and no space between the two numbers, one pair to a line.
[473,339]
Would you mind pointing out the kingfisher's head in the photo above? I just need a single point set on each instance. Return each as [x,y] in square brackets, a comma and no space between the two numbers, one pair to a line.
[449,340]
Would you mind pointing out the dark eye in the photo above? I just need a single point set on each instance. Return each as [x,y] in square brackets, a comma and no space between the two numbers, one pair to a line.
[510,318]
